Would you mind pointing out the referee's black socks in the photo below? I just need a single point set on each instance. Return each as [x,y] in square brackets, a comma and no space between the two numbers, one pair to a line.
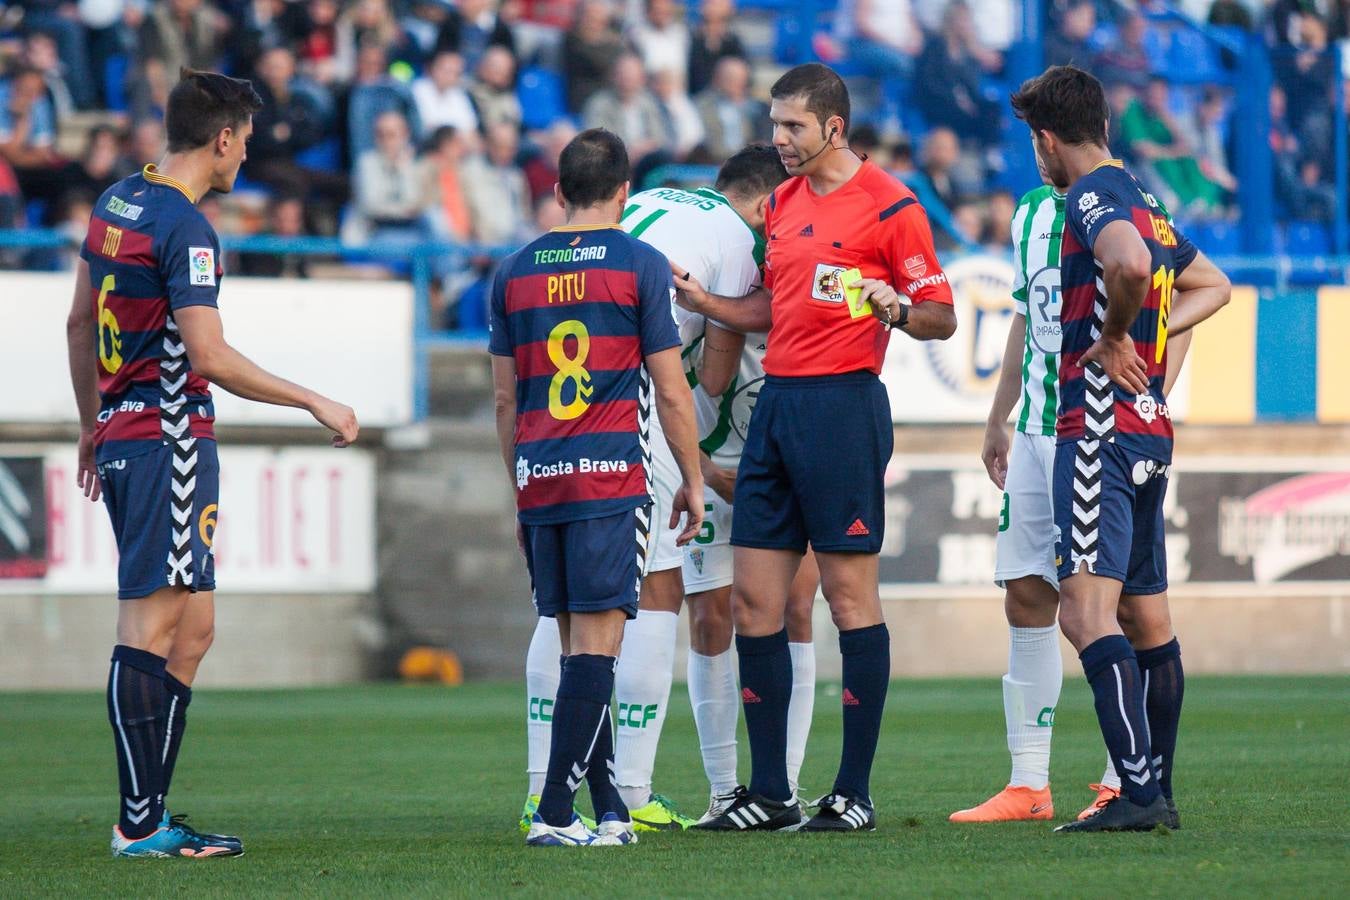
[866,656]
[766,690]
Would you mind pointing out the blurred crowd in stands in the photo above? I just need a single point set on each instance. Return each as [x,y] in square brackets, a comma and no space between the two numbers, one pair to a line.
[407,120]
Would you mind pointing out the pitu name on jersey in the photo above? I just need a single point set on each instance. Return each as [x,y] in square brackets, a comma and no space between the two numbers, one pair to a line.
[1091,405]
[583,397]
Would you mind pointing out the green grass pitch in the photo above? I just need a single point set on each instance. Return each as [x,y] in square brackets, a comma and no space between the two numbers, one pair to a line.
[399,791]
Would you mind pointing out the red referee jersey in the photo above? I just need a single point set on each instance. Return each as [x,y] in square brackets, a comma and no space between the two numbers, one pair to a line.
[873,224]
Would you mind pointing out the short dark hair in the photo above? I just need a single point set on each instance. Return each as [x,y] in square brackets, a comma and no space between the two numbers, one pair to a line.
[592,167]
[751,171]
[825,92]
[204,103]
[1065,101]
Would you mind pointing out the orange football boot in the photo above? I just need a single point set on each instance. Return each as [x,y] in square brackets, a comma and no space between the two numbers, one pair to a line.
[1104,796]
[1012,804]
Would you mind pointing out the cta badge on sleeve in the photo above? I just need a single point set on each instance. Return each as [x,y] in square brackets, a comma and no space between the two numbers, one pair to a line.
[201,267]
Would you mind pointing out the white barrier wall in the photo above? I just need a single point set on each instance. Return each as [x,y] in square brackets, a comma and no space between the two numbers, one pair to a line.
[350,340]
[290,521]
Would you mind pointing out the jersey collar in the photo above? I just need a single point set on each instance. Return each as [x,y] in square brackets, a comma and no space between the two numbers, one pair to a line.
[599,227]
[719,197]
[1114,163]
[151,173]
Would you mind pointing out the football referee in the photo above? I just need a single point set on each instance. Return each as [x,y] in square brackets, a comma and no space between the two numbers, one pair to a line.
[846,243]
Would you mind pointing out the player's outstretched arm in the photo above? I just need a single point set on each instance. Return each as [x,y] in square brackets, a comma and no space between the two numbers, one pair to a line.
[1201,290]
[1125,264]
[218,362]
[721,358]
[748,313]
[81,337]
[994,454]
[675,406]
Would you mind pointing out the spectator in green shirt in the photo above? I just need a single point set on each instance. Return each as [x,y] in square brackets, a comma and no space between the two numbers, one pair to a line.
[1152,138]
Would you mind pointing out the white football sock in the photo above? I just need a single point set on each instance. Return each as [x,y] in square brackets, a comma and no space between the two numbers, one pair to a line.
[1110,778]
[642,689]
[542,672]
[1030,695]
[800,707]
[716,703]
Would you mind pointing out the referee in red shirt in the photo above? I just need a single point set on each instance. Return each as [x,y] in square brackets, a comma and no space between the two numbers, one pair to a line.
[846,243]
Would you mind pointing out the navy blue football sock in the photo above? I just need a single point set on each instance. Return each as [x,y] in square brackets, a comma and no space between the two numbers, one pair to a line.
[867,673]
[1113,672]
[605,796]
[1164,686]
[766,688]
[584,691]
[138,702]
[180,695]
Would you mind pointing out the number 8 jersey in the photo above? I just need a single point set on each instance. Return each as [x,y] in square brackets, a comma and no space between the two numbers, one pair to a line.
[1091,405]
[579,309]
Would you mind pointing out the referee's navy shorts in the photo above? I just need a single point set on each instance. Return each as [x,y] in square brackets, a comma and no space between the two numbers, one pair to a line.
[814,464]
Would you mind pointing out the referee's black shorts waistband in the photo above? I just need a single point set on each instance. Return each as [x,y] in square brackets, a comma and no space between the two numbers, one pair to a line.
[861,376]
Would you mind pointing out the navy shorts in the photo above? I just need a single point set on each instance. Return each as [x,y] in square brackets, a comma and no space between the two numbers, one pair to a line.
[814,465]
[164,517]
[588,566]
[1109,512]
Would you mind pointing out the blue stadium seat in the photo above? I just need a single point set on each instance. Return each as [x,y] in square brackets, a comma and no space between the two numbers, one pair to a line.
[325,156]
[542,98]
[114,82]
[1308,239]
[1215,238]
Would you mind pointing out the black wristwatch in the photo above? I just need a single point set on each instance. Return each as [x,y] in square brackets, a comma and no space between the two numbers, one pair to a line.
[904,316]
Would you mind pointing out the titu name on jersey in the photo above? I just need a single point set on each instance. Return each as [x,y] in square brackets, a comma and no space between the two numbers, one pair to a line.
[1091,404]
[578,309]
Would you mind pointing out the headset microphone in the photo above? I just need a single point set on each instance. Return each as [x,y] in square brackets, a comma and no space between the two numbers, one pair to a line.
[834,129]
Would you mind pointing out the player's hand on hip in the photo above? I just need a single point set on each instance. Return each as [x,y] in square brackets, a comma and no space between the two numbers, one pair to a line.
[995,453]
[1120,361]
[884,299]
[86,473]
[723,482]
[689,503]
[688,292]
[337,417]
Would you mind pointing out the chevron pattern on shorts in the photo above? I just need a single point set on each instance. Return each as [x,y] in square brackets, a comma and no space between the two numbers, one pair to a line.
[1087,491]
[173,418]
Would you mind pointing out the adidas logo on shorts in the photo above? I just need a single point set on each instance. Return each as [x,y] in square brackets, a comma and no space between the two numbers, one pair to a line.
[857,529]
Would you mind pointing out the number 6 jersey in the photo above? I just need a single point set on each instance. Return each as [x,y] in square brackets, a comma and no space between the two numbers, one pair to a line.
[1091,405]
[150,253]
[579,309]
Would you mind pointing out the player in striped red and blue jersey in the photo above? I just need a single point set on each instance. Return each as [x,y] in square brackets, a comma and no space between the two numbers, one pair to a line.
[144,337]
[582,331]
[1121,265]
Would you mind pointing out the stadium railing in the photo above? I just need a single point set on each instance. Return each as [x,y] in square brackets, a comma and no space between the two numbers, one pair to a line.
[1274,273]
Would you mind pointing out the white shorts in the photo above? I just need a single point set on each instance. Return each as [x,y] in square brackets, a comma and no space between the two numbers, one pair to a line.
[707,558]
[662,553]
[1026,528]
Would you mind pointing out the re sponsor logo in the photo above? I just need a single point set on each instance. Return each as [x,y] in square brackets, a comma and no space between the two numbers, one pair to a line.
[1087,201]
[916,266]
[119,207]
[526,470]
[569,255]
[917,284]
[1146,469]
[1149,408]
[127,406]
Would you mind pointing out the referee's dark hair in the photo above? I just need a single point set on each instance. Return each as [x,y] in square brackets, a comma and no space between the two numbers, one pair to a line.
[752,171]
[1067,102]
[592,168]
[825,93]
[203,104]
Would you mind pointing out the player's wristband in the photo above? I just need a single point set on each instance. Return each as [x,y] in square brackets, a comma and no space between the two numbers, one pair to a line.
[904,316]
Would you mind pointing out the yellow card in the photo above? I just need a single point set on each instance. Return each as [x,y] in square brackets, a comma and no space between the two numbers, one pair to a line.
[857,306]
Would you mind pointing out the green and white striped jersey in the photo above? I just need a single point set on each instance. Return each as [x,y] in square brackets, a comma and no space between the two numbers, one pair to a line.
[1037,229]
[700,231]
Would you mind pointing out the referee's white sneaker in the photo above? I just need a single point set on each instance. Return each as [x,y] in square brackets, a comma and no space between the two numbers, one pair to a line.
[838,812]
[751,812]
